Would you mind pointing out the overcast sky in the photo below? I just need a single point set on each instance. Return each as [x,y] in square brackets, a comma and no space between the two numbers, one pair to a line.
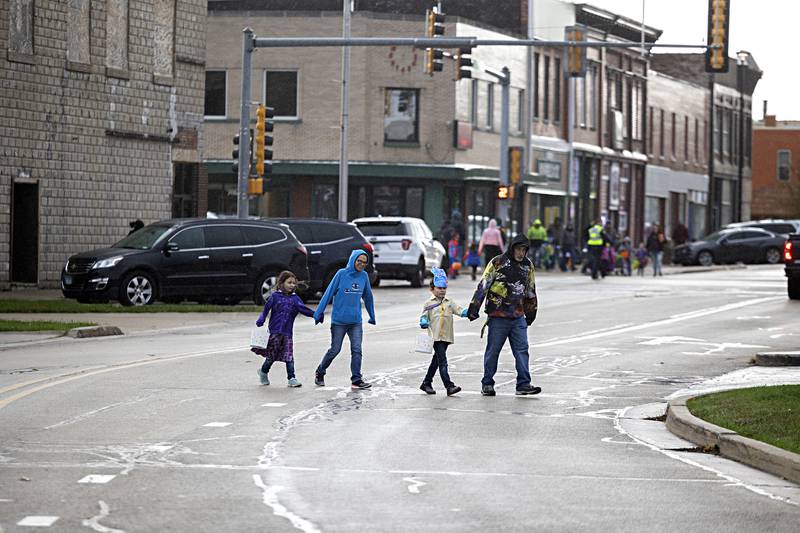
[766,28]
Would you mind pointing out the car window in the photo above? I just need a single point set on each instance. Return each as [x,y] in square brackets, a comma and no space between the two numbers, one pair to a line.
[778,228]
[330,232]
[754,235]
[223,236]
[302,231]
[426,231]
[189,239]
[143,239]
[380,229]
[735,236]
[255,235]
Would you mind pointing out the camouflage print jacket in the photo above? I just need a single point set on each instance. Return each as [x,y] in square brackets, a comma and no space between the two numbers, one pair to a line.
[508,286]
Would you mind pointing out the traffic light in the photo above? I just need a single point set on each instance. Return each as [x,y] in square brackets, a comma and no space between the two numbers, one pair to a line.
[264,124]
[434,27]
[235,155]
[255,186]
[718,24]
[503,192]
[515,164]
[433,60]
[463,59]
[576,55]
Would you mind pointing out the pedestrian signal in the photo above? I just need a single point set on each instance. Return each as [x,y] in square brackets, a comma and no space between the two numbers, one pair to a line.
[503,192]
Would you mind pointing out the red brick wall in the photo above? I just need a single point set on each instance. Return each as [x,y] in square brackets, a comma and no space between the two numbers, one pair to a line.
[772,198]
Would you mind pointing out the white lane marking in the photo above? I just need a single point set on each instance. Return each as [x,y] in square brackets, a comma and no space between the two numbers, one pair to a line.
[163,447]
[97,478]
[88,414]
[216,424]
[270,498]
[94,522]
[38,521]
[329,388]
[6,500]
[273,404]
[710,347]
[753,317]
[414,484]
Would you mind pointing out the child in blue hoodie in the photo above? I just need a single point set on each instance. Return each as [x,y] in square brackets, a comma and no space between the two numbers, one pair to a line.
[347,288]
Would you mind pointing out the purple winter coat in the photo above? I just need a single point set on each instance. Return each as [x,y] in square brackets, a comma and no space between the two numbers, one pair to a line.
[285,308]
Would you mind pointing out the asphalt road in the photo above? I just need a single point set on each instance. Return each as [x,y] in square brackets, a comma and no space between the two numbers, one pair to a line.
[171,430]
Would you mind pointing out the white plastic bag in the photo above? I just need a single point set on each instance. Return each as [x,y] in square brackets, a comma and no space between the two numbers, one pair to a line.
[423,343]
[259,337]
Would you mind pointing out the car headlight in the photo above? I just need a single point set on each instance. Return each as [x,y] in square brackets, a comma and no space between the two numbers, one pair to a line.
[107,263]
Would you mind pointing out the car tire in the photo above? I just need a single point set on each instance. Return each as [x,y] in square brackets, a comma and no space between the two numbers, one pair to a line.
[264,287]
[418,276]
[794,288]
[705,258]
[773,256]
[137,289]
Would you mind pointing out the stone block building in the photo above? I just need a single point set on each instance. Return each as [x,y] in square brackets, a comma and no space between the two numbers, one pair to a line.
[101,108]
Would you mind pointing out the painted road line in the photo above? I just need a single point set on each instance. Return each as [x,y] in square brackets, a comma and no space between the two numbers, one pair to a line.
[216,424]
[38,521]
[272,404]
[97,478]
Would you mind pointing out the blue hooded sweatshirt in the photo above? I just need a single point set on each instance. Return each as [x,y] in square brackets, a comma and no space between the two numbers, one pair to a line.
[347,288]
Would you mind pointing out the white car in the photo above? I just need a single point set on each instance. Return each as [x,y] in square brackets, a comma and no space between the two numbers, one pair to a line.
[404,247]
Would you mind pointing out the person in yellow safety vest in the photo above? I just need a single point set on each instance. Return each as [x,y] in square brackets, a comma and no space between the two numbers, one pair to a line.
[537,235]
[594,243]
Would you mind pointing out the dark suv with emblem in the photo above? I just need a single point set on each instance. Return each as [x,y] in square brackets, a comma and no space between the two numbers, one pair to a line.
[206,260]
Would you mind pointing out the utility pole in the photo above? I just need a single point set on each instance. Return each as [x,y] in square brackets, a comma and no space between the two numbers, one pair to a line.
[740,70]
[242,198]
[527,154]
[343,156]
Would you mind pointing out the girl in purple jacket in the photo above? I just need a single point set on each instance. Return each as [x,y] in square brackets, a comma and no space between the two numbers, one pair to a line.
[284,306]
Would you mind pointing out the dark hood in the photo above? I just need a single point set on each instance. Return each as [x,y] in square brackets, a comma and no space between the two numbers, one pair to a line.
[104,253]
[519,239]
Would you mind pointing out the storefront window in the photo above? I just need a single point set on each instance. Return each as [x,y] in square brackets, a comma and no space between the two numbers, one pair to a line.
[325,201]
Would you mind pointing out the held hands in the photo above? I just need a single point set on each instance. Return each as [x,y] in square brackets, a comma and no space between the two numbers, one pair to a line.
[319,318]
[423,322]
[464,313]
[472,316]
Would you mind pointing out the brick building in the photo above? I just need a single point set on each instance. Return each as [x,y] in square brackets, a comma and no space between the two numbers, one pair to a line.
[776,168]
[100,124]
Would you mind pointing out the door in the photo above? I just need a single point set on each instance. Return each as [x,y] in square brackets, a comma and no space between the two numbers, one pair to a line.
[25,233]
[230,260]
[185,270]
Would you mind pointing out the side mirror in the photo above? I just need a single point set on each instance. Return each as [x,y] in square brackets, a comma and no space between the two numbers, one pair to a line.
[723,242]
[172,247]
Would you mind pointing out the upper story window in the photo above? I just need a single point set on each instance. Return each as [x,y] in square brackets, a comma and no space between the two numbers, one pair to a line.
[546,106]
[281,93]
[216,94]
[473,113]
[20,28]
[401,116]
[117,34]
[490,106]
[521,110]
[78,31]
[784,165]
[164,38]
[536,79]
[557,74]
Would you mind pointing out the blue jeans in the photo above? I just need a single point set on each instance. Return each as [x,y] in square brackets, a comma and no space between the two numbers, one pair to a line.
[268,364]
[657,257]
[516,331]
[439,361]
[338,332]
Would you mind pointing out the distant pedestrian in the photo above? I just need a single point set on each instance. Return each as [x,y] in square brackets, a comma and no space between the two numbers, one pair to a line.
[641,259]
[454,253]
[347,288]
[595,244]
[491,243]
[655,247]
[509,287]
[680,234]
[473,259]
[537,236]
[437,318]
[283,306]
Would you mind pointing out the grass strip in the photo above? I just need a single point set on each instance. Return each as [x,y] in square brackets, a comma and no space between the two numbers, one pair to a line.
[71,306]
[768,414]
[40,325]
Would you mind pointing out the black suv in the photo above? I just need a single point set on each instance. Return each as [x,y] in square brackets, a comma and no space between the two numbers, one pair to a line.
[329,244]
[218,261]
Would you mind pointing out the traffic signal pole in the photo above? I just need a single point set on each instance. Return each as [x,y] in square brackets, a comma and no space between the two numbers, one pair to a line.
[242,198]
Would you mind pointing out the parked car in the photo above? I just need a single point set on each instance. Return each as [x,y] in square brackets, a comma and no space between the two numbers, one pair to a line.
[732,245]
[329,244]
[791,261]
[775,225]
[404,247]
[207,260]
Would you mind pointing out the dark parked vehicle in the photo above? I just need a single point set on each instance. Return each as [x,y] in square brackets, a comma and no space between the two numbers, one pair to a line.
[780,226]
[218,261]
[329,244]
[791,261]
[732,245]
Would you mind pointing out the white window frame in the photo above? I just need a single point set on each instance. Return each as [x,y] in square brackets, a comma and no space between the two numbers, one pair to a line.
[282,118]
[225,115]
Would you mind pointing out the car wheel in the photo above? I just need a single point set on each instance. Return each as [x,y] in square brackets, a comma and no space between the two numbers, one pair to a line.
[137,289]
[418,276]
[705,258]
[377,282]
[773,256]
[794,288]
[264,287]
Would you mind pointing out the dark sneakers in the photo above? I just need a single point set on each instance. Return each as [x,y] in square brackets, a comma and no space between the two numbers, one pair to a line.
[487,390]
[528,389]
[319,379]
[455,389]
[427,388]
[360,385]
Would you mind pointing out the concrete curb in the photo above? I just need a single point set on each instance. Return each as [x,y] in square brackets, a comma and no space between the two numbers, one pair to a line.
[730,444]
[778,359]
[93,331]
[698,270]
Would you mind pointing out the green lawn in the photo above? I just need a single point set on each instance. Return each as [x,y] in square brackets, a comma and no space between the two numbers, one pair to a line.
[768,414]
[40,325]
[71,306]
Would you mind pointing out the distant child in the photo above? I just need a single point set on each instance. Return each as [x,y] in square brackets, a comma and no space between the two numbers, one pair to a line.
[641,259]
[283,305]
[437,318]
[624,257]
[473,259]
[454,252]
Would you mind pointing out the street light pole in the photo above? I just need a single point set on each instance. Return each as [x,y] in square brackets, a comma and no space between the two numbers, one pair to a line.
[740,66]
[343,156]
[242,198]
[504,77]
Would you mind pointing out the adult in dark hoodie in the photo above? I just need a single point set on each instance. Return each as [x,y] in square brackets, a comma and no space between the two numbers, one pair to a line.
[509,287]
[347,288]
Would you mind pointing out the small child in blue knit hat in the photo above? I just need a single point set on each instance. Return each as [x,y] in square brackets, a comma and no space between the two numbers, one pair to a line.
[437,318]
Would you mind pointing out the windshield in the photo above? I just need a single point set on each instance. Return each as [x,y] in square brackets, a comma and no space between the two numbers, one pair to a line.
[380,229]
[714,236]
[143,239]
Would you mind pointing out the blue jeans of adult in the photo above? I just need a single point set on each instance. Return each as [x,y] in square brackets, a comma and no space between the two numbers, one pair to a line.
[354,333]
[516,331]
[657,257]
[439,361]
[268,364]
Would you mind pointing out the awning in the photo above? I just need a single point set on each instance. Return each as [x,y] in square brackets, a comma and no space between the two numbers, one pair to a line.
[546,192]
